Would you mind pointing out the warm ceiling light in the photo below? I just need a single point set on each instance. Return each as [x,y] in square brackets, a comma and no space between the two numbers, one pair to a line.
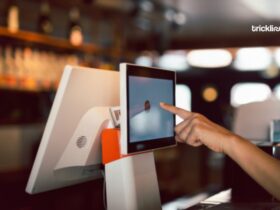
[144,60]
[147,6]
[174,60]
[210,94]
[271,71]
[243,93]
[169,14]
[180,18]
[183,99]
[252,59]
[277,56]
[215,58]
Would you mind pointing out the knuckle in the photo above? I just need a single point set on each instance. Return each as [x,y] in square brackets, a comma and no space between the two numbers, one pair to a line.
[197,128]
[197,116]
[196,121]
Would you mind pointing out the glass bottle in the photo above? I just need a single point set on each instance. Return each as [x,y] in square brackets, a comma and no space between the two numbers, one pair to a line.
[45,24]
[75,29]
[13,20]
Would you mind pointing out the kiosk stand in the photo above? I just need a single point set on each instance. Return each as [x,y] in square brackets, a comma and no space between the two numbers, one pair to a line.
[131,181]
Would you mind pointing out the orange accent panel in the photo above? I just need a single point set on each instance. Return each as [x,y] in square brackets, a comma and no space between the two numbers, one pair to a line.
[110,145]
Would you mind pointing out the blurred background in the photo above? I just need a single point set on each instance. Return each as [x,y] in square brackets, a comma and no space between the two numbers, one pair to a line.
[221,64]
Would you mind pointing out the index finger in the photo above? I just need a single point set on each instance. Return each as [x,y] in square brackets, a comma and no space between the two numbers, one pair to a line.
[175,110]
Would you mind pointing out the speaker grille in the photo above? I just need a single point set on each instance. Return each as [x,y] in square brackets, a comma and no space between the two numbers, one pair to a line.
[81,141]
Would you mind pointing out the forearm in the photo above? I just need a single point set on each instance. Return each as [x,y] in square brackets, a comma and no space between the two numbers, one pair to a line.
[263,168]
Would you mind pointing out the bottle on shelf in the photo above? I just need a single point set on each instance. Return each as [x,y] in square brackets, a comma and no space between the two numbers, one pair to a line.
[2,80]
[1,60]
[10,69]
[13,17]
[45,24]
[75,29]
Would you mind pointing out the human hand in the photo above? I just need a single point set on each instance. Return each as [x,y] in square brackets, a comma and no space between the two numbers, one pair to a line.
[195,130]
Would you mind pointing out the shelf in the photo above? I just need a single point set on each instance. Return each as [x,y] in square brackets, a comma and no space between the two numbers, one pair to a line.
[46,40]
[64,44]
[26,84]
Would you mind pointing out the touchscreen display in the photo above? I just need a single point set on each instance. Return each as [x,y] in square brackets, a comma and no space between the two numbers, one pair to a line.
[147,120]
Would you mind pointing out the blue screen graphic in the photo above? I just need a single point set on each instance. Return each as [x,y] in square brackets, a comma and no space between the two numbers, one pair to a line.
[147,120]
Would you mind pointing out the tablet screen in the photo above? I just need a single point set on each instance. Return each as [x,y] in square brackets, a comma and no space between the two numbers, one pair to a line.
[145,125]
[148,121]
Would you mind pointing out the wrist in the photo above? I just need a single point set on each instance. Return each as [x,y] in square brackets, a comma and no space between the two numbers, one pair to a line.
[230,144]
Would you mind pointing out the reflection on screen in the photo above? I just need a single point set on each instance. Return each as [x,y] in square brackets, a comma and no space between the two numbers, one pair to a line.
[147,121]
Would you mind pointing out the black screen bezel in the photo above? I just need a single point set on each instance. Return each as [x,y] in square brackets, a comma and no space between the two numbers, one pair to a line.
[149,72]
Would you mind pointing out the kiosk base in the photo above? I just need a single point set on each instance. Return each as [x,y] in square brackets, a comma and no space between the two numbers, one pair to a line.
[131,181]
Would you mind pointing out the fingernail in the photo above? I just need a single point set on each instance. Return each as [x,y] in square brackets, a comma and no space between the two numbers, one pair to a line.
[161,103]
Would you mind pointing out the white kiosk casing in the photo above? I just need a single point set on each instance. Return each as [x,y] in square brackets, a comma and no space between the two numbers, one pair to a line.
[70,149]
[123,105]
